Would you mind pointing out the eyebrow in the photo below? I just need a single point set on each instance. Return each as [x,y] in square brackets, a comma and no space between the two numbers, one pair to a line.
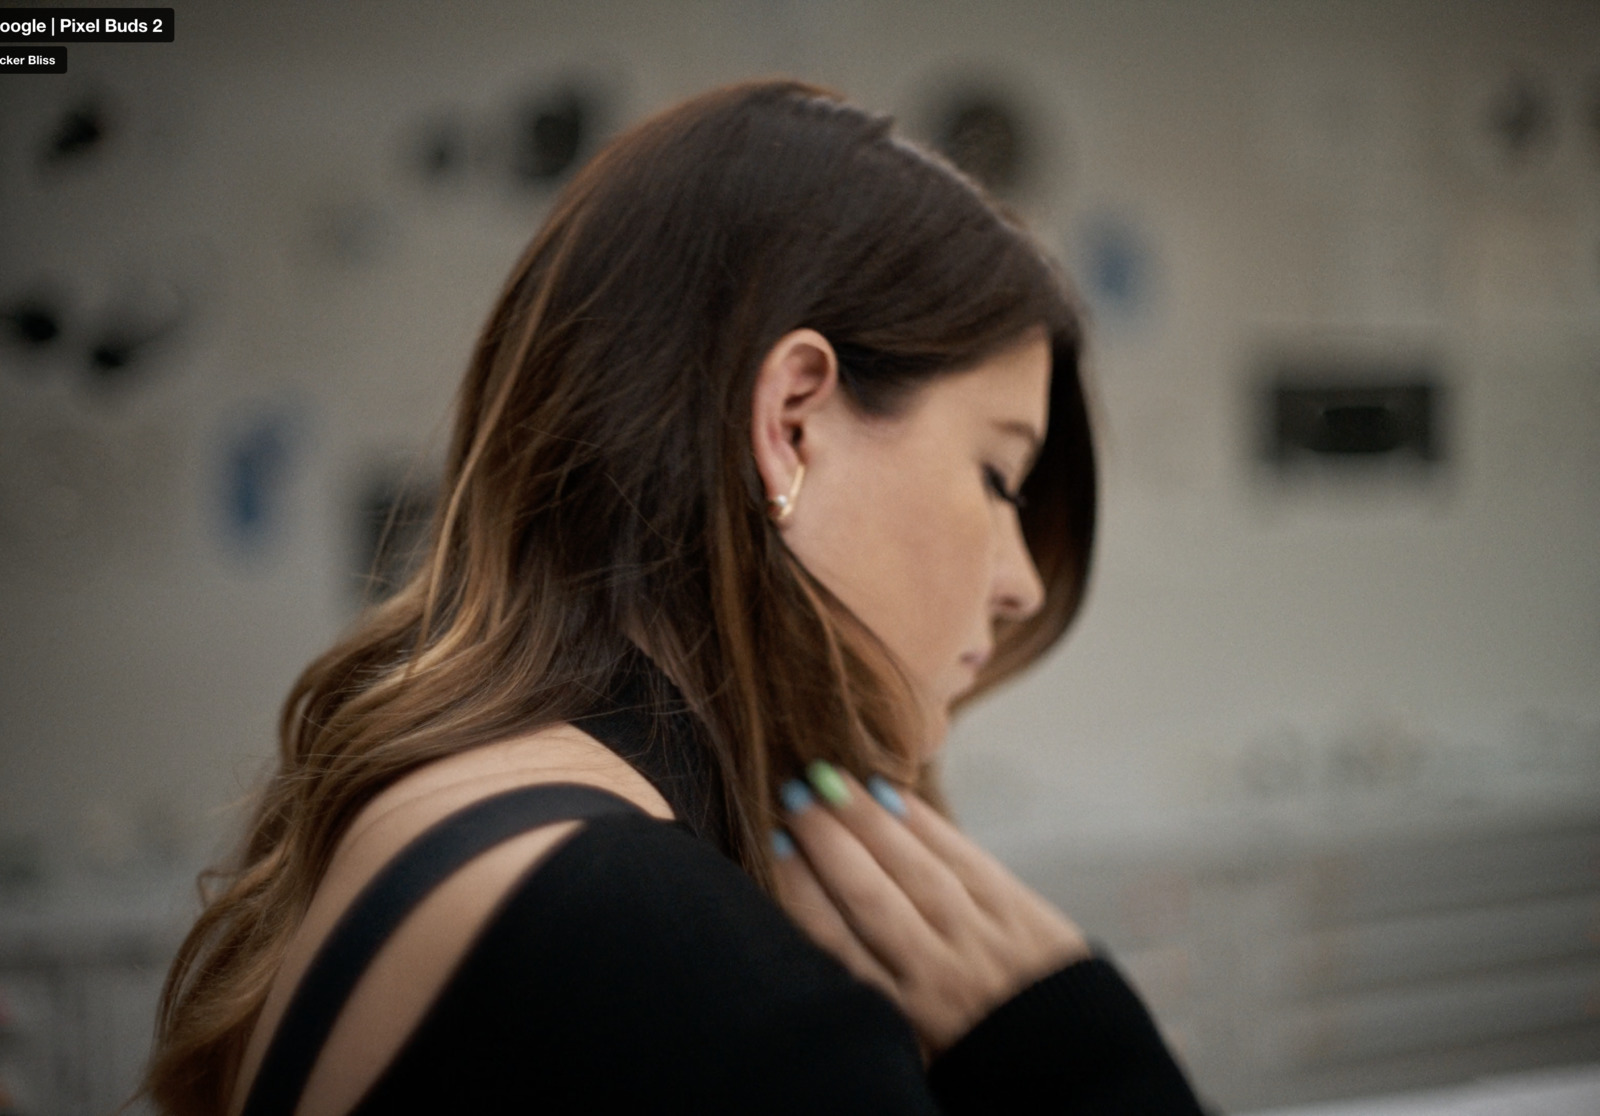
[1022,430]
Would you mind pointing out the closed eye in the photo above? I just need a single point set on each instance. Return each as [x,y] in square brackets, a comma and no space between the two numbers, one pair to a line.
[997,485]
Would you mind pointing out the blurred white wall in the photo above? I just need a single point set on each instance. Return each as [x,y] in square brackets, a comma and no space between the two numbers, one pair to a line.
[1263,666]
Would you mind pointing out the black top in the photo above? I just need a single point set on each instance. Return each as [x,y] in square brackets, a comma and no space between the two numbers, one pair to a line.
[645,720]
[638,969]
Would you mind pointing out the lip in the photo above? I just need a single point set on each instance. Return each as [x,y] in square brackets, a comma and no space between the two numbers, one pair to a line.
[975,660]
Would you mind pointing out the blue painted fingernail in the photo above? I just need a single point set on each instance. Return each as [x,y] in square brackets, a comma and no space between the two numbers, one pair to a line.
[796,798]
[889,798]
[782,845]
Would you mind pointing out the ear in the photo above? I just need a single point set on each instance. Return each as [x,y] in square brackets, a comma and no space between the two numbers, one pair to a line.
[798,376]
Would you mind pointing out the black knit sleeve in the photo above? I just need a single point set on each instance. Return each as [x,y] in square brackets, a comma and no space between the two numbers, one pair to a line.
[1080,1035]
[639,970]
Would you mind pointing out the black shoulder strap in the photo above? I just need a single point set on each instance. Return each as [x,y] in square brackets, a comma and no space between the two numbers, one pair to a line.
[383,904]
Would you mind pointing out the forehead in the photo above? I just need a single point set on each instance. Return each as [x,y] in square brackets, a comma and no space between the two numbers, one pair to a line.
[1012,385]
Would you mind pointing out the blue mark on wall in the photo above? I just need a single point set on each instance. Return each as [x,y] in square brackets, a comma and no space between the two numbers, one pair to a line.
[1117,268]
[257,464]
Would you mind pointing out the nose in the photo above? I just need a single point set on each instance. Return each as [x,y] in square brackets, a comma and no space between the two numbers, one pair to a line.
[1018,591]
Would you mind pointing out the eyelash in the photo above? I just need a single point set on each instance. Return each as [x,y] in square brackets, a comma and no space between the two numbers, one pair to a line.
[997,485]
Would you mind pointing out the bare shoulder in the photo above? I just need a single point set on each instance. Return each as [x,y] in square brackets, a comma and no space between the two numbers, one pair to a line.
[410,970]
[558,754]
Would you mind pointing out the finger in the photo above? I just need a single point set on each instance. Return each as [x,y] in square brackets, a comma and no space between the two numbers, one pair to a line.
[805,900]
[989,882]
[931,885]
[992,885]
[876,909]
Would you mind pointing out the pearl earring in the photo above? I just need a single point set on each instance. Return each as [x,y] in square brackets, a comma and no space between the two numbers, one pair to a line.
[782,505]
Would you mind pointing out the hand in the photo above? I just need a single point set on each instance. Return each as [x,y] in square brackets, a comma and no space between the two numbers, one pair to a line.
[910,905]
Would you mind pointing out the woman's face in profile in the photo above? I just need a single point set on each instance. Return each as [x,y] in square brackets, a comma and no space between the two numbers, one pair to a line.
[907,519]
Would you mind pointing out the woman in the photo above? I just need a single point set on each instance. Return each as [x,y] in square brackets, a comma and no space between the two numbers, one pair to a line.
[772,452]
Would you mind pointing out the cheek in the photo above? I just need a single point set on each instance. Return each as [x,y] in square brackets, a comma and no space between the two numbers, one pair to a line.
[909,553]
[932,586]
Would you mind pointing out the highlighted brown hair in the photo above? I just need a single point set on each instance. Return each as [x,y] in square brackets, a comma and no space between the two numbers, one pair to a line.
[600,481]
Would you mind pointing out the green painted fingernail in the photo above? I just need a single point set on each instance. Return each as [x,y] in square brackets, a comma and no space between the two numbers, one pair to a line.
[828,783]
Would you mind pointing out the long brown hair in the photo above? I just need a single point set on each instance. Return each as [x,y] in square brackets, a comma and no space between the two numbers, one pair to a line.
[600,481]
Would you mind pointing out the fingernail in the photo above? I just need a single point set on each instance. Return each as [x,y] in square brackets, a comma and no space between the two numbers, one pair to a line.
[782,845]
[828,783]
[889,798]
[795,796]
